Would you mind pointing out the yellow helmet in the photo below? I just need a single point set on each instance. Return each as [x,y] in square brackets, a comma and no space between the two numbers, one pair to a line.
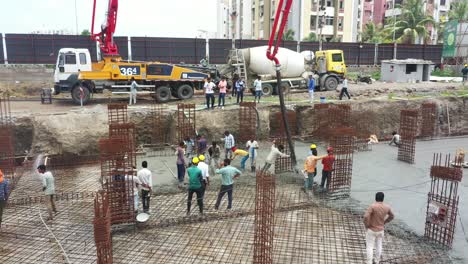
[201,157]
[195,160]
[313,146]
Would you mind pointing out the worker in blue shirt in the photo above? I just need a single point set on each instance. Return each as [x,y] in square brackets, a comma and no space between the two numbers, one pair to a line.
[311,88]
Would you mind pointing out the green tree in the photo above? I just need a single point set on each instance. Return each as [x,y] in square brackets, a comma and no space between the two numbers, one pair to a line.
[85,32]
[312,37]
[372,33]
[411,26]
[459,10]
[288,35]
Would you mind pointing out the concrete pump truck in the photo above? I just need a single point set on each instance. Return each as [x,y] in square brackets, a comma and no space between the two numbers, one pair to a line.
[75,73]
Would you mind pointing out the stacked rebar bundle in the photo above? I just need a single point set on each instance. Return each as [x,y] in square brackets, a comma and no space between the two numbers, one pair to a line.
[408,133]
[117,113]
[102,228]
[159,129]
[7,150]
[247,122]
[186,120]
[442,200]
[264,218]
[283,164]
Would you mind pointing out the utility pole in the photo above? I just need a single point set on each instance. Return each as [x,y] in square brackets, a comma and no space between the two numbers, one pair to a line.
[321,22]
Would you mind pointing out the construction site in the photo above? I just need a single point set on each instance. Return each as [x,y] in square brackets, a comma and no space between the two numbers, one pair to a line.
[102,167]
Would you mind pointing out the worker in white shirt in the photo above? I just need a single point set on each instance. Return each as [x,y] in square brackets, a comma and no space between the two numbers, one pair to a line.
[205,172]
[133,91]
[209,93]
[48,187]
[145,177]
[229,142]
[344,88]
[258,88]
[275,152]
[135,182]
[252,146]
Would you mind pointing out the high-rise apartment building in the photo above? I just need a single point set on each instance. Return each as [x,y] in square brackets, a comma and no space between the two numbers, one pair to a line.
[320,16]
[438,9]
[234,19]
[374,11]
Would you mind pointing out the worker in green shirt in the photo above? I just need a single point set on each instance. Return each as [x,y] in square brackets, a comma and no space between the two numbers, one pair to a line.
[195,185]
[228,174]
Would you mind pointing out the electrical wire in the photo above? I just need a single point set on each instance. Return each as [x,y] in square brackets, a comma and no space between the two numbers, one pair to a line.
[52,233]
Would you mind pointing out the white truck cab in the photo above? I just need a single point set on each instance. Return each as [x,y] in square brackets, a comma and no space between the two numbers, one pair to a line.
[70,62]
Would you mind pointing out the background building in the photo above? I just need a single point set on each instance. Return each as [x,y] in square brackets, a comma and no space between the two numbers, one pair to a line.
[374,11]
[234,18]
[320,16]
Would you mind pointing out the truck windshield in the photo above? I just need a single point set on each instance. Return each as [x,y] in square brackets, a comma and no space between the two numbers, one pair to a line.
[337,57]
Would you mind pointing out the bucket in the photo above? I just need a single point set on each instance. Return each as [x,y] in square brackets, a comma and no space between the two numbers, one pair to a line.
[323,99]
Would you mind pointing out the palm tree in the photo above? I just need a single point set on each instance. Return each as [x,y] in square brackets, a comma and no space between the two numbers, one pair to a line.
[372,33]
[288,35]
[312,37]
[411,27]
[459,10]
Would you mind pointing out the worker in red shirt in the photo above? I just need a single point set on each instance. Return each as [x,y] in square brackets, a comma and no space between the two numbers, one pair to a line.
[327,163]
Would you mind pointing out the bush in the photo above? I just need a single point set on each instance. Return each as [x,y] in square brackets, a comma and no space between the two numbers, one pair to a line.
[444,73]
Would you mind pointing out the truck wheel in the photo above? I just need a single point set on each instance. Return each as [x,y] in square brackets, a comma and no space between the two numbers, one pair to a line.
[75,94]
[285,87]
[267,89]
[331,83]
[163,94]
[184,91]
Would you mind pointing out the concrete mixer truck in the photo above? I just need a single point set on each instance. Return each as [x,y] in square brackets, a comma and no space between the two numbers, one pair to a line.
[327,66]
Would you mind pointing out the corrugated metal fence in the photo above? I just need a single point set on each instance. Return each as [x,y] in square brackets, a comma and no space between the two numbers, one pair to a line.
[43,49]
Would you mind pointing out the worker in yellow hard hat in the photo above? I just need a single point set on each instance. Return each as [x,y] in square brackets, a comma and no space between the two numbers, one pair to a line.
[195,185]
[203,166]
[465,74]
[312,148]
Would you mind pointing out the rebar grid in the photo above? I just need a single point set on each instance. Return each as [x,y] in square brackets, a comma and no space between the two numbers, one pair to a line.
[102,228]
[301,222]
[117,163]
[277,128]
[283,164]
[363,123]
[71,161]
[186,120]
[117,113]
[247,122]
[342,141]
[160,130]
[442,201]
[127,132]
[428,119]
[408,132]
[264,218]
[5,110]
[320,117]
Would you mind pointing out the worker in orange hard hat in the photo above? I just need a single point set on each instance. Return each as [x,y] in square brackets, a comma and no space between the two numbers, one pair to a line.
[3,195]
[327,163]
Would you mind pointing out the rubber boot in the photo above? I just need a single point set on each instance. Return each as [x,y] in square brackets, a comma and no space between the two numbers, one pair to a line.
[252,168]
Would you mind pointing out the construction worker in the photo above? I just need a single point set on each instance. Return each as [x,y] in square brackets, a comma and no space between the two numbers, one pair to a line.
[3,195]
[395,139]
[145,177]
[310,167]
[222,85]
[252,146]
[311,88]
[205,172]
[377,215]
[201,145]
[344,88]
[136,184]
[228,174]
[195,185]
[465,74]
[209,93]
[229,142]
[133,91]
[327,163]
[180,153]
[275,152]
[215,154]
[240,152]
[258,88]
[240,86]
[48,187]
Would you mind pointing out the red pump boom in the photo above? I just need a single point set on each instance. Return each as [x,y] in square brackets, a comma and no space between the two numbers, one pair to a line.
[106,36]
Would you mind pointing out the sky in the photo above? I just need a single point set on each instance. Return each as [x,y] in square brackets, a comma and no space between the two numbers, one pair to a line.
[155,18]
